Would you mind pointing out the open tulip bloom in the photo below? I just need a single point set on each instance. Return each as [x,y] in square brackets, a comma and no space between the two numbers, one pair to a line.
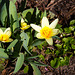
[5,36]
[24,25]
[46,31]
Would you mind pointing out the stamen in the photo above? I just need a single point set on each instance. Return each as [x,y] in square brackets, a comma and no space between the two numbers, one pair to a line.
[46,32]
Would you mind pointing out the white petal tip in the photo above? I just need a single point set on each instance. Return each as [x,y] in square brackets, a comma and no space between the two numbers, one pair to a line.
[36,27]
[31,24]
[50,41]
[57,19]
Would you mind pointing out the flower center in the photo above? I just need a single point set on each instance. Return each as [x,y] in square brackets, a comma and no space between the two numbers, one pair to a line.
[46,32]
[23,24]
[4,37]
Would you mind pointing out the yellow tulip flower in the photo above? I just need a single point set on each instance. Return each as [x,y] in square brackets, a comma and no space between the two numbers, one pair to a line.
[24,25]
[46,31]
[5,36]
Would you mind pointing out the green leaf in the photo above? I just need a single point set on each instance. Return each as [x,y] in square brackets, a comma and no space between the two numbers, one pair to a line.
[38,63]
[19,62]
[19,16]
[55,37]
[2,60]
[62,62]
[32,57]
[47,51]
[51,14]
[66,60]
[3,54]
[0,45]
[27,14]
[59,46]
[71,28]
[14,1]
[13,15]
[25,3]
[0,1]
[72,22]
[41,57]
[58,26]
[73,46]
[25,39]
[3,28]
[37,16]
[1,67]
[37,12]
[2,50]
[17,49]
[40,46]
[74,33]
[44,14]
[57,52]
[65,40]
[72,41]
[26,69]
[67,30]
[69,38]
[36,70]
[55,63]
[12,44]
[26,11]
[37,42]
[3,12]
[26,48]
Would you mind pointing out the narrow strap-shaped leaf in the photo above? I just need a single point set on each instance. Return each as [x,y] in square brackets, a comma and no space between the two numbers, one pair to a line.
[13,15]
[37,42]
[3,54]
[38,63]
[12,44]
[44,14]
[32,57]
[25,39]
[36,70]
[14,1]
[3,11]
[19,62]
[26,11]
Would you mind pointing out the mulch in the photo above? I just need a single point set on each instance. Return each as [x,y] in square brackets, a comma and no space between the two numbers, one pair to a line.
[63,9]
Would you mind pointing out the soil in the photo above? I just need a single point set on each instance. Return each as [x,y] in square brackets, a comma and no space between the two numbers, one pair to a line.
[65,11]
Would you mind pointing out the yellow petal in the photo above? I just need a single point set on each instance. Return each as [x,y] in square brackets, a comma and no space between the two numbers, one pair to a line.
[1,32]
[49,41]
[8,32]
[45,22]
[36,27]
[23,24]
[25,27]
[9,40]
[55,32]
[54,23]
[38,35]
